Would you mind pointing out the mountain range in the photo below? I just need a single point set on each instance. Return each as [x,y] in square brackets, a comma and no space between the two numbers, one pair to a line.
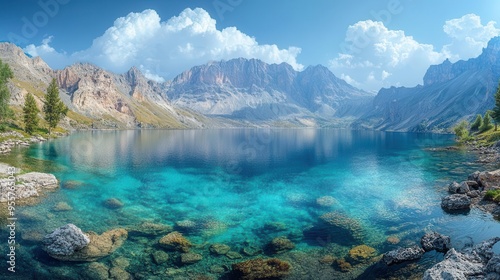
[251,93]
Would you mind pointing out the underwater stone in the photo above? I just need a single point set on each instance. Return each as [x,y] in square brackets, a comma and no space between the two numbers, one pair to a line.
[150,228]
[219,249]
[72,184]
[261,269]
[233,255]
[339,220]
[98,247]
[119,273]
[361,253]
[393,239]
[435,241]
[327,259]
[113,203]
[190,258]
[403,254]
[64,241]
[455,202]
[281,244]
[342,265]
[175,241]
[185,225]
[325,201]
[62,206]
[97,271]
[160,257]
[121,262]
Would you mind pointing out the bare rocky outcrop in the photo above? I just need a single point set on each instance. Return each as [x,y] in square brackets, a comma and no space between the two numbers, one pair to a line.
[456,202]
[69,243]
[477,262]
[403,255]
[435,241]
[64,241]
[27,185]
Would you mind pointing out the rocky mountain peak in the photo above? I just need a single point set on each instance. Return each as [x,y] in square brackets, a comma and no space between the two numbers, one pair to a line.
[447,71]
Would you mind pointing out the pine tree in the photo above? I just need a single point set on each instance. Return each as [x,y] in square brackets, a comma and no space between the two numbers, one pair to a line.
[496,111]
[461,130]
[477,123]
[486,123]
[5,75]
[53,108]
[30,114]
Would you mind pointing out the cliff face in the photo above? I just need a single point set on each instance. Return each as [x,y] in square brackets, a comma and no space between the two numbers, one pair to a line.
[451,92]
[252,89]
[100,98]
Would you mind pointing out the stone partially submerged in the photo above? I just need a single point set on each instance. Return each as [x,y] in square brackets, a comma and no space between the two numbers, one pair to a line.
[27,185]
[403,255]
[69,243]
[435,241]
[64,241]
[477,262]
[456,202]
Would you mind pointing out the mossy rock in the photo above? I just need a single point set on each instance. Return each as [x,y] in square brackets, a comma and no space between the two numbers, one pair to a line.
[261,269]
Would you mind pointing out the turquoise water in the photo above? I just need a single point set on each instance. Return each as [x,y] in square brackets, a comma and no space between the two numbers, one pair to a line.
[232,184]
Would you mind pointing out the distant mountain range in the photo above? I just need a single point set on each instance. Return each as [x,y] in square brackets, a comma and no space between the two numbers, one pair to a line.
[248,92]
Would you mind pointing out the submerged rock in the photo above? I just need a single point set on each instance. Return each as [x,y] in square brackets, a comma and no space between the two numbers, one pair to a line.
[119,273]
[62,206]
[64,241]
[281,244]
[456,202]
[403,254]
[232,255]
[190,258]
[261,269]
[113,203]
[336,220]
[471,263]
[150,228]
[342,265]
[435,241]
[325,201]
[97,271]
[72,184]
[219,249]
[160,257]
[361,253]
[175,241]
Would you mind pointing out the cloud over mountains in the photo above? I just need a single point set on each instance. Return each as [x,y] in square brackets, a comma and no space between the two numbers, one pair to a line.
[373,57]
[165,48]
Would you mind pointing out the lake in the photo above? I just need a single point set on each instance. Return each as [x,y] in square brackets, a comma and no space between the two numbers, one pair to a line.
[244,187]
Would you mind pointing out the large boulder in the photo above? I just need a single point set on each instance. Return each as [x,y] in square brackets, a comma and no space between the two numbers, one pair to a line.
[403,254]
[455,202]
[489,179]
[98,246]
[40,180]
[28,185]
[64,241]
[435,241]
[475,262]
[362,253]
[461,188]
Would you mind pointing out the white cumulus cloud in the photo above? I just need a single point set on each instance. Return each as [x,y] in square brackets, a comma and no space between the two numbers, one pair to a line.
[162,49]
[374,57]
[468,36]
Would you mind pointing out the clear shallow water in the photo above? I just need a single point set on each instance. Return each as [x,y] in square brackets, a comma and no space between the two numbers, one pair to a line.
[233,183]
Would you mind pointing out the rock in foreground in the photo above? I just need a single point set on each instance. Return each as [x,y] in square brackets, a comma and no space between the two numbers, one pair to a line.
[456,202]
[69,243]
[64,241]
[477,262]
[435,241]
[403,254]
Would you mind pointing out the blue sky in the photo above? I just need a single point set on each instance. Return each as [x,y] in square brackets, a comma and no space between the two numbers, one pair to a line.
[371,44]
